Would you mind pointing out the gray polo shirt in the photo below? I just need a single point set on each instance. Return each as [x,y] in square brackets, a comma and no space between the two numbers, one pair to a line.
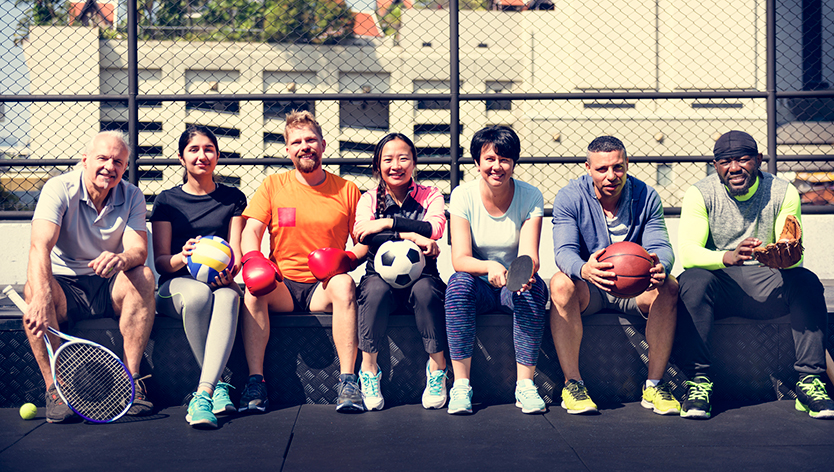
[84,233]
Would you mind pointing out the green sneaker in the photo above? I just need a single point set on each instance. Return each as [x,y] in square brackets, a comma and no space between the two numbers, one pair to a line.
[220,399]
[812,398]
[575,398]
[696,402]
[460,398]
[527,397]
[660,399]
[199,412]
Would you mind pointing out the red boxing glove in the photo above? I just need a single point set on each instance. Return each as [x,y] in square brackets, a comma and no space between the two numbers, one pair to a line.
[260,275]
[326,262]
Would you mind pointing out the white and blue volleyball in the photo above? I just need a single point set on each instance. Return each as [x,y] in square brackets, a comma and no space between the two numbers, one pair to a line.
[211,256]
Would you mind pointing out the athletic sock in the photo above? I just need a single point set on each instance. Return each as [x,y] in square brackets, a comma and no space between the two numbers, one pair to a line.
[652,383]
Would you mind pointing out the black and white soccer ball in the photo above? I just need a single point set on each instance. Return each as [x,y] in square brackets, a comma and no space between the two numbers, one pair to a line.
[399,263]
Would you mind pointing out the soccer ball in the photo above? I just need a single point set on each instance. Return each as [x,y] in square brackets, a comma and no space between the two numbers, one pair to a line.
[211,255]
[399,263]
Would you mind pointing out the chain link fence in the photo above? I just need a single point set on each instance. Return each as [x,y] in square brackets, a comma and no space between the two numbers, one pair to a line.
[666,78]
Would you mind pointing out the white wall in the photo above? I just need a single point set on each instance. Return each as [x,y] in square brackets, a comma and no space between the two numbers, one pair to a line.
[817,230]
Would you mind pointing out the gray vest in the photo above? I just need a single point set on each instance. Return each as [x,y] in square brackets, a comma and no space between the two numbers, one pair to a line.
[731,221]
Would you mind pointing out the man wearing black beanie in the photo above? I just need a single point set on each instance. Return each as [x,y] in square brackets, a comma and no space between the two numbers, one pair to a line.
[723,218]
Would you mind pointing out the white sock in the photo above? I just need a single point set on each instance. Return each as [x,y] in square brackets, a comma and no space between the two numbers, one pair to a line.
[652,383]
[461,383]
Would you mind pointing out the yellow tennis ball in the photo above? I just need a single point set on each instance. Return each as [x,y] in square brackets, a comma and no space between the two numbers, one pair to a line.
[28,411]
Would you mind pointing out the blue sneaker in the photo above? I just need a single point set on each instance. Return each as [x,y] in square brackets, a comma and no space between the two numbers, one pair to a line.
[371,393]
[434,396]
[350,395]
[199,413]
[221,401]
[527,397]
[254,396]
[460,398]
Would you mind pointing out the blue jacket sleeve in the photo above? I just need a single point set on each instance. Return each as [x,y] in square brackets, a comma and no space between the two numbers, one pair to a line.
[566,237]
[655,234]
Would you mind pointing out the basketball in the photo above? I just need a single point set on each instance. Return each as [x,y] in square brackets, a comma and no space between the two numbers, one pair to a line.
[631,264]
[399,263]
[211,255]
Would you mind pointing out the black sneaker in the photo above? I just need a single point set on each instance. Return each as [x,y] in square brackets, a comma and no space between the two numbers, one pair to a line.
[141,405]
[696,401]
[254,397]
[350,395]
[812,398]
[56,410]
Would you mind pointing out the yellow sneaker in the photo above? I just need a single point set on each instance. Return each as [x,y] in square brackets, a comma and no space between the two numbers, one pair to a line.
[660,400]
[575,398]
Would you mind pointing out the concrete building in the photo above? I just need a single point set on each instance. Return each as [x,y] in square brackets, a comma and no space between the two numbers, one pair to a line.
[597,46]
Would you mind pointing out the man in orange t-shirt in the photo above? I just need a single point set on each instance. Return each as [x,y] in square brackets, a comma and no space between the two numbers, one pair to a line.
[309,213]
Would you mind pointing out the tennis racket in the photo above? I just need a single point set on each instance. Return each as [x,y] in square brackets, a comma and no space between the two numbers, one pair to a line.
[90,378]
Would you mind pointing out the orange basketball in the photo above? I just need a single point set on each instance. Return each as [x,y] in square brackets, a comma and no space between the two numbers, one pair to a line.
[631,264]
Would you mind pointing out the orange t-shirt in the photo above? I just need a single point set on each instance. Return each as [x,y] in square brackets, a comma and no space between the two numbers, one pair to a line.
[301,219]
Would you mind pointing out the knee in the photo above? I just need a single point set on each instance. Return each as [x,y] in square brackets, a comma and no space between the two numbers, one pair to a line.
[562,289]
[426,290]
[142,280]
[695,282]
[460,284]
[803,279]
[342,288]
[669,289]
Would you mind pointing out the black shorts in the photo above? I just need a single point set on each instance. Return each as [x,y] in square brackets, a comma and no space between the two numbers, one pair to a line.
[301,293]
[88,296]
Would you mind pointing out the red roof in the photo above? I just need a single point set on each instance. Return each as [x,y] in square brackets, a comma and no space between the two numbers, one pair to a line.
[512,3]
[106,8]
[383,5]
[365,25]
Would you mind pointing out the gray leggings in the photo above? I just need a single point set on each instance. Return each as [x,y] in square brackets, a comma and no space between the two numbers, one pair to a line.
[209,319]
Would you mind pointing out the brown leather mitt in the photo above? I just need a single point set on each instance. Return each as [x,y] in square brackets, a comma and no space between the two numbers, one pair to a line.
[786,251]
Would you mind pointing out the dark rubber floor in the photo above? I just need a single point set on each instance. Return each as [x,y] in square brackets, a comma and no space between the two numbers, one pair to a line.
[763,437]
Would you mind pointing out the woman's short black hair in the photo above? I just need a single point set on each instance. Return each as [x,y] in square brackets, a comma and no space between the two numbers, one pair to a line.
[503,140]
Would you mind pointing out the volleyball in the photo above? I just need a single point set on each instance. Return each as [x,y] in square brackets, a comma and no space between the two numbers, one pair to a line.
[211,256]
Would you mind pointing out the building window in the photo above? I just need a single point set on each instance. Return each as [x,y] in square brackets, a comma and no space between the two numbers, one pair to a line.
[279,109]
[432,86]
[499,87]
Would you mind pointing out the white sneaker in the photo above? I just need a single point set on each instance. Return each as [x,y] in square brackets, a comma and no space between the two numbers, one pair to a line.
[434,396]
[371,393]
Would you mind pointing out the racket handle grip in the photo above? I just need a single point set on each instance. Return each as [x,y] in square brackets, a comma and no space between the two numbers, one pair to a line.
[12,294]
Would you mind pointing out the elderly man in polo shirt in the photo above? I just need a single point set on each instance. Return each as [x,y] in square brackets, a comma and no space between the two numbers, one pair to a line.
[87,260]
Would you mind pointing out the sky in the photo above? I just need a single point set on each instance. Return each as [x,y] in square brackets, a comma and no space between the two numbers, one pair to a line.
[14,77]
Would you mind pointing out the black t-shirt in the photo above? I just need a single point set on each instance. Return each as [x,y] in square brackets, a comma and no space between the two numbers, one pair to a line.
[196,215]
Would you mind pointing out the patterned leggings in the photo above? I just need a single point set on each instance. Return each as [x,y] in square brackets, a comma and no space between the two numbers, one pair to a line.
[468,296]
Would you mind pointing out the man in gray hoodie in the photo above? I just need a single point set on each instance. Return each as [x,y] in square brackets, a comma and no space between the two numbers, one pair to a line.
[603,207]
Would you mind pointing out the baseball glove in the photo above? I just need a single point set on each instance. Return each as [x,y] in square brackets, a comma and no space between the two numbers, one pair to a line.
[786,251]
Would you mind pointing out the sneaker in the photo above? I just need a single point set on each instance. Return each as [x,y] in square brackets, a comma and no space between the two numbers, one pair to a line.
[660,399]
[575,398]
[434,396]
[460,398]
[56,410]
[199,413]
[527,397]
[254,396]
[141,405]
[696,402]
[812,398]
[350,395]
[371,393]
[220,400]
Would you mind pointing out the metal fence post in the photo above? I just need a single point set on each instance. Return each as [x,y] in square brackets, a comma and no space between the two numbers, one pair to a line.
[132,90]
[454,89]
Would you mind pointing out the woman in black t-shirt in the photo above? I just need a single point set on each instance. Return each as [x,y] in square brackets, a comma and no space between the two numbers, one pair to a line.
[181,215]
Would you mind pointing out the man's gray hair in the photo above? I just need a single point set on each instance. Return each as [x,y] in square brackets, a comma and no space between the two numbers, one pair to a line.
[606,144]
[119,135]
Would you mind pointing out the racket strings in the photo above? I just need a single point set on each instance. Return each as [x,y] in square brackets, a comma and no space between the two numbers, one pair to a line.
[93,382]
